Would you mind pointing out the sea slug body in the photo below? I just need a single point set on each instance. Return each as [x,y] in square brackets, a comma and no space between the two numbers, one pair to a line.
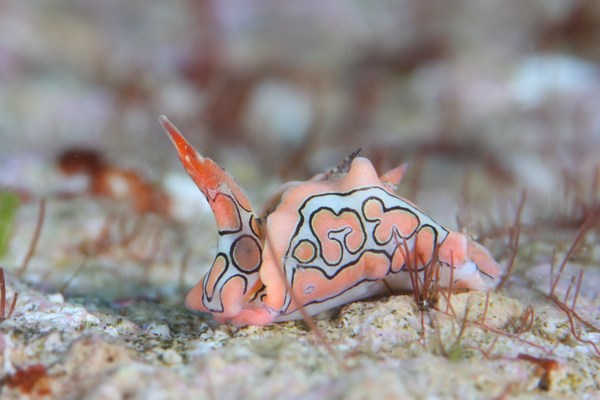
[338,237]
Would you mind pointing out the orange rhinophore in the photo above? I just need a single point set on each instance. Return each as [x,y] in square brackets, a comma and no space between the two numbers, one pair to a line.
[336,238]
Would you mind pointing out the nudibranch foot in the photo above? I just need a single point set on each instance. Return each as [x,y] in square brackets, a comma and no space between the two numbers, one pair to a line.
[342,236]
[253,315]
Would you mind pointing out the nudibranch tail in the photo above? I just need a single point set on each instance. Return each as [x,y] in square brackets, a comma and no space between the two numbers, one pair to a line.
[489,270]
[474,266]
[233,278]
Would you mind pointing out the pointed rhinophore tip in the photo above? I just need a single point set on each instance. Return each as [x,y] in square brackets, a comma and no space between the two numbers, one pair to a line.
[185,150]
[166,124]
[174,134]
[208,175]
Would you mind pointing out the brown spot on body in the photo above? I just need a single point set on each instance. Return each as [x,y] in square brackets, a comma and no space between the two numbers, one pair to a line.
[246,253]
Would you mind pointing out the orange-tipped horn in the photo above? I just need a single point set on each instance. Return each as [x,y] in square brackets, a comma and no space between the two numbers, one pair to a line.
[224,194]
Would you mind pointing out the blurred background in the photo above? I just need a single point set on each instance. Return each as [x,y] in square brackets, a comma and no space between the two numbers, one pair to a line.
[482,98]
[486,100]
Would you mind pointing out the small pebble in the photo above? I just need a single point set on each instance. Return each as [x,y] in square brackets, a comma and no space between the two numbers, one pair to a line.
[56,298]
[171,357]
[159,330]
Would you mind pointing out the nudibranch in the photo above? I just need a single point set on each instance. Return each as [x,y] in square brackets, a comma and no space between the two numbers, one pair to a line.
[338,237]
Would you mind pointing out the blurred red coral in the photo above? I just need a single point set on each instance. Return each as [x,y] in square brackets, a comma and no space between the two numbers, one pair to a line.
[113,181]
[31,380]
